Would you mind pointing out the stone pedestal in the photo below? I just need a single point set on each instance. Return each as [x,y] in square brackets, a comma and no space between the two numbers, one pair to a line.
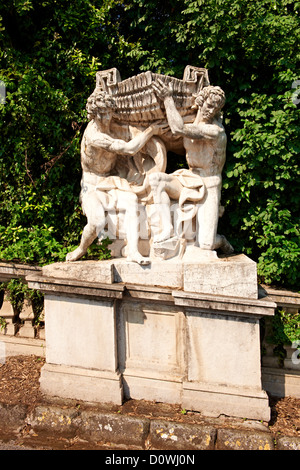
[136,332]
[227,275]
[223,356]
[81,344]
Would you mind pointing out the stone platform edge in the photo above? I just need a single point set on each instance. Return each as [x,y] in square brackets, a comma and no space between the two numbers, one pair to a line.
[138,432]
[233,275]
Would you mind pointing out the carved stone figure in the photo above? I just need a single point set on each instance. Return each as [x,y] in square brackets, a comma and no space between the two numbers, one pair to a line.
[205,144]
[133,124]
[102,189]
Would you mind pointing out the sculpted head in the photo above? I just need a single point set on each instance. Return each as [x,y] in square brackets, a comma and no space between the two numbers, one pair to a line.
[99,103]
[210,100]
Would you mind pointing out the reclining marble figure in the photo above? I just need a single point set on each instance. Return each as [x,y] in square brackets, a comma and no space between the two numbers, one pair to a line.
[133,124]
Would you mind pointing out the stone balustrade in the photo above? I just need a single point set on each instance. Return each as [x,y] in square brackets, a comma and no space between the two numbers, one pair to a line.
[280,366]
[19,331]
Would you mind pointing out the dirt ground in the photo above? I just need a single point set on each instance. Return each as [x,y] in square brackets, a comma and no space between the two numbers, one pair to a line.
[19,383]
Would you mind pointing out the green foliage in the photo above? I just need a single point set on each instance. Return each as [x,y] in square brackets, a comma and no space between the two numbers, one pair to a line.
[99,251]
[50,52]
[29,235]
[266,171]
[17,292]
[285,328]
[48,78]
[2,323]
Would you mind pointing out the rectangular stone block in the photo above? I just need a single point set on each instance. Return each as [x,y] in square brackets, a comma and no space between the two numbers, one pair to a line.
[151,334]
[281,382]
[88,270]
[215,400]
[234,276]
[166,273]
[223,361]
[16,345]
[80,332]
[166,435]
[54,419]
[223,349]
[141,385]
[151,350]
[81,384]
[116,428]
[234,439]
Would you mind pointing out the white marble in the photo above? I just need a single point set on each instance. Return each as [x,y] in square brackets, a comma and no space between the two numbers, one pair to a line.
[126,193]
[234,276]
[199,271]
[91,340]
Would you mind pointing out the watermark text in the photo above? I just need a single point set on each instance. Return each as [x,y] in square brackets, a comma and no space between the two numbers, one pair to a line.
[2,92]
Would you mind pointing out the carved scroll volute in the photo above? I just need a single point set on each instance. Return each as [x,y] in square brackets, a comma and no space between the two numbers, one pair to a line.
[196,75]
[108,79]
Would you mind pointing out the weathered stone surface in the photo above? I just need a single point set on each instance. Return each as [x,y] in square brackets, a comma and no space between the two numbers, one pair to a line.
[90,271]
[288,443]
[221,365]
[12,416]
[117,270]
[169,436]
[81,384]
[16,345]
[233,276]
[12,271]
[90,342]
[57,419]
[235,439]
[142,328]
[281,382]
[75,287]
[159,273]
[224,305]
[114,428]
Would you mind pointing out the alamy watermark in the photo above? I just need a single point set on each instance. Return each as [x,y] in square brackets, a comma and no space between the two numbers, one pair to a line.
[296,354]
[116,222]
[2,92]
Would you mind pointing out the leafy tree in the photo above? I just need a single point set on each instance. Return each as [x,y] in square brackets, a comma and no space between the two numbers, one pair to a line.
[50,52]
[48,78]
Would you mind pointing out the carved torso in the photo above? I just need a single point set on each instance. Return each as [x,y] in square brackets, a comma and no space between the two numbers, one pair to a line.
[95,159]
[206,155]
